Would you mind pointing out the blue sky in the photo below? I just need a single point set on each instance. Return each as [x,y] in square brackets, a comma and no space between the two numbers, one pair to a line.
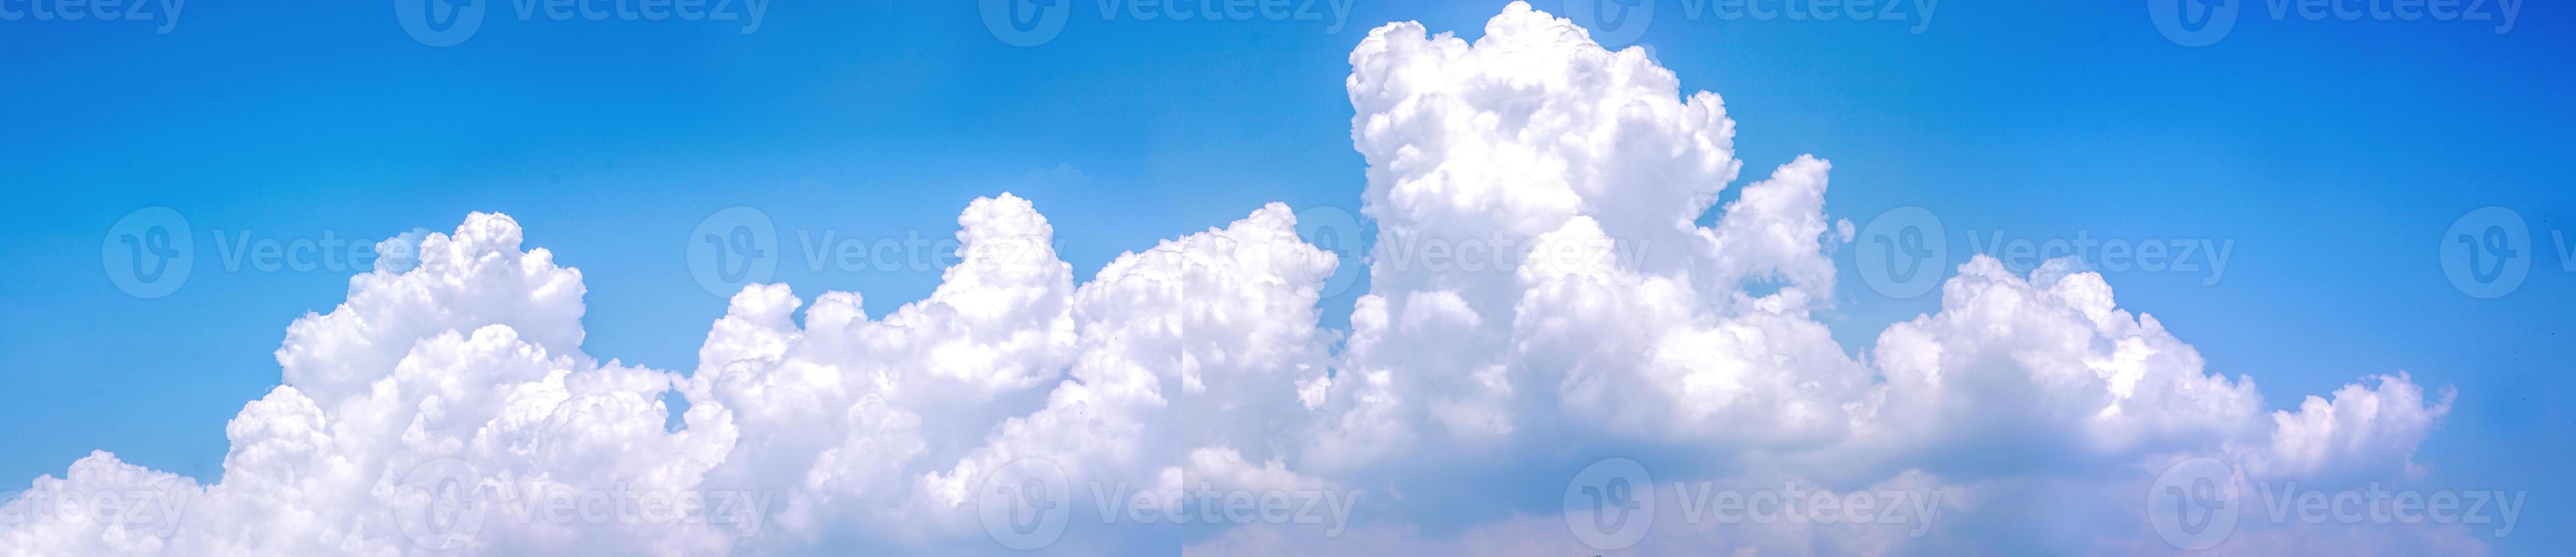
[2333,154]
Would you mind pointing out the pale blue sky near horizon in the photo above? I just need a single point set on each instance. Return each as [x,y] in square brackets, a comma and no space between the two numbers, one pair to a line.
[2331,155]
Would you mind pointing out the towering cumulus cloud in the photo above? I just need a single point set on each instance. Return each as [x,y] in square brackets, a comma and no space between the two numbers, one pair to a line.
[1542,305]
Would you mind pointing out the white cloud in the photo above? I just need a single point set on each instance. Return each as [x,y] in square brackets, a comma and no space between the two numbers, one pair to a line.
[2363,432]
[1455,406]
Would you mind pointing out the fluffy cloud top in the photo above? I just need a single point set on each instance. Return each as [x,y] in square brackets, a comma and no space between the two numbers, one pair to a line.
[1606,324]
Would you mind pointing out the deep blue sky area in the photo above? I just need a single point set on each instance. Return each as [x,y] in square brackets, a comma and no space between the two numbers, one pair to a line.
[2332,154]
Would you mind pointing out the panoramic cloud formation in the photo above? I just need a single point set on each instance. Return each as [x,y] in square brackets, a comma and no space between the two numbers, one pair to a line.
[448,408]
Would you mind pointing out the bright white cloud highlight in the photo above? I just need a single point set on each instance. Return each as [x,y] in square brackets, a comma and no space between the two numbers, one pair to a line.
[1619,328]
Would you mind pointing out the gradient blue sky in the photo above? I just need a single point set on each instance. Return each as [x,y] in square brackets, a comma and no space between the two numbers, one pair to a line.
[2333,153]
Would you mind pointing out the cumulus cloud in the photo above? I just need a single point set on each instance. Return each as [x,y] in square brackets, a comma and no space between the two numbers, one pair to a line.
[448,407]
